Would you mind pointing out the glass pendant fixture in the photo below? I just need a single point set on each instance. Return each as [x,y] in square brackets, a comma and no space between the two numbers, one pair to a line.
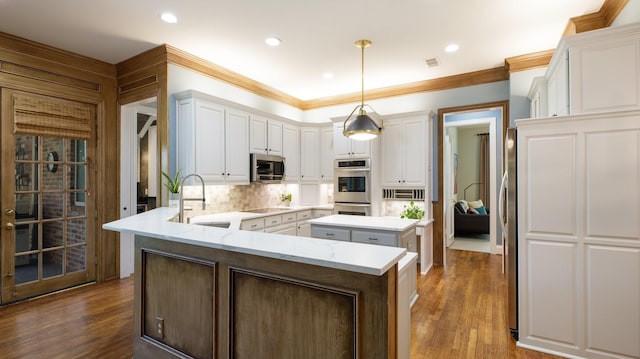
[362,127]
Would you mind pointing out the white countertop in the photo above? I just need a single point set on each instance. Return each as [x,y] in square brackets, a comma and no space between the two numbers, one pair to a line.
[394,224]
[355,257]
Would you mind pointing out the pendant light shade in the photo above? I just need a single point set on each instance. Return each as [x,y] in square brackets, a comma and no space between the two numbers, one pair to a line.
[362,127]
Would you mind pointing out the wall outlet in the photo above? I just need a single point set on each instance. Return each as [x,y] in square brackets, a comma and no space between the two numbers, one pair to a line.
[160,327]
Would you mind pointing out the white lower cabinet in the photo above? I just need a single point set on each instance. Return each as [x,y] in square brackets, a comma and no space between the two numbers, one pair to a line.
[579,234]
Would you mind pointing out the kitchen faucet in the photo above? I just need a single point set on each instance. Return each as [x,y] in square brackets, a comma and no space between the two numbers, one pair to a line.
[182,199]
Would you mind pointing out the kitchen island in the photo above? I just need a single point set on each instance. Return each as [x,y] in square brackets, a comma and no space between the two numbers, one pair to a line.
[209,292]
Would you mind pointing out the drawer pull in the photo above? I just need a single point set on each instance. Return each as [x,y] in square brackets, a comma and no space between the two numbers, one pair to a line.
[254,225]
[329,234]
[372,239]
[274,221]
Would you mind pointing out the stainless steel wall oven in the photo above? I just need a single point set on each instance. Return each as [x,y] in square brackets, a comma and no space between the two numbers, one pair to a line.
[352,185]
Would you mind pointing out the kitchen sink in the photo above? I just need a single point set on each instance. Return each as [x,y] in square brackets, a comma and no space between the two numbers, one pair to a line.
[219,224]
[266,210]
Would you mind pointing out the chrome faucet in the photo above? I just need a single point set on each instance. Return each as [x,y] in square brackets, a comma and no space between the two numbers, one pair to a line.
[182,199]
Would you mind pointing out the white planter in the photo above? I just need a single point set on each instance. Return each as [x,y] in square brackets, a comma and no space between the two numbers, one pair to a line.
[174,200]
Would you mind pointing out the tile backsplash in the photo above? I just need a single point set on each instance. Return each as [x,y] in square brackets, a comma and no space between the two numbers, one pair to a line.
[256,195]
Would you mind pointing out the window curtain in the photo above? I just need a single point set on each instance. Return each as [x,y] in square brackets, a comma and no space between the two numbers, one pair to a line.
[484,170]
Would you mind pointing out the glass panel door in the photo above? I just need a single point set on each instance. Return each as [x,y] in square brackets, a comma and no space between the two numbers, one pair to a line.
[48,247]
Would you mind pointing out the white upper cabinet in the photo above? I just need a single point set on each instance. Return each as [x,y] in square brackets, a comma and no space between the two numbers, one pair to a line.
[211,140]
[344,147]
[594,71]
[404,151]
[310,154]
[326,154]
[266,136]
[291,152]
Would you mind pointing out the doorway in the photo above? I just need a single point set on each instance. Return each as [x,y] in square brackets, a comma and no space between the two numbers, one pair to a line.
[440,204]
[139,175]
[464,183]
[48,236]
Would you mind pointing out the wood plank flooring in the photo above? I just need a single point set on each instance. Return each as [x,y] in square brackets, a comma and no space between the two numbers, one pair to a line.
[460,314]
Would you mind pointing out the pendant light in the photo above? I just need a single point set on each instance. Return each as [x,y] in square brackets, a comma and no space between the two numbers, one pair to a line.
[363,127]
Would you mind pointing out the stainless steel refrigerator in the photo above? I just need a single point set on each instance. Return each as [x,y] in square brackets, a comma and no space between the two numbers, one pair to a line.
[509,220]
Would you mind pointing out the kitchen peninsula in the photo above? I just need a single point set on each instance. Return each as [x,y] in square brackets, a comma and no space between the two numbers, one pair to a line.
[210,292]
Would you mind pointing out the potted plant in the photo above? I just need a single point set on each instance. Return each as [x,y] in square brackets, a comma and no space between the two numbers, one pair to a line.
[173,186]
[286,199]
[412,211]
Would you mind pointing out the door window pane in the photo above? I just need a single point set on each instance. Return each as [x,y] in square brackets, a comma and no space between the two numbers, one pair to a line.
[26,148]
[76,259]
[52,263]
[74,208]
[26,269]
[52,149]
[76,231]
[52,234]
[26,206]
[52,205]
[52,180]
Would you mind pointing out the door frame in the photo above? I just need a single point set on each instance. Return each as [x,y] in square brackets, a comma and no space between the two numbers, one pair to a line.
[439,247]
[129,144]
[493,193]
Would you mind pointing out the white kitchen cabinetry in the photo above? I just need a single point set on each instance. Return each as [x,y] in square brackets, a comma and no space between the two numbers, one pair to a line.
[404,151]
[211,140]
[291,152]
[266,136]
[326,154]
[344,147]
[538,97]
[594,71]
[310,155]
[579,234]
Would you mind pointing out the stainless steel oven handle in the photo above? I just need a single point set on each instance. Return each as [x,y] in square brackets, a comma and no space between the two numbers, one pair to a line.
[346,204]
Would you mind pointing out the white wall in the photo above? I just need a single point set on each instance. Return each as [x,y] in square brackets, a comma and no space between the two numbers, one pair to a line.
[630,14]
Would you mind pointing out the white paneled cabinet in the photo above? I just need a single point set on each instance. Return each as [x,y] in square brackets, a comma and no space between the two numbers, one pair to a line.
[291,152]
[266,136]
[579,234]
[310,155]
[211,140]
[404,151]
[594,71]
[344,147]
[326,154]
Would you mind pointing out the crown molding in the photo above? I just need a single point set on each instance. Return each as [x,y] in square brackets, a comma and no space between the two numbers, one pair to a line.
[528,61]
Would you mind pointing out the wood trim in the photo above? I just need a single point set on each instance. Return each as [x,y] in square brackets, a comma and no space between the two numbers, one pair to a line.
[438,206]
[184,59]
[611,9]
[34,49]
[604,17]
[528,61]
[439,84]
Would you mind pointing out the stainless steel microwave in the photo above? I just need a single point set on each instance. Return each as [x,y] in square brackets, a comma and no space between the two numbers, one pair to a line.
[265,168]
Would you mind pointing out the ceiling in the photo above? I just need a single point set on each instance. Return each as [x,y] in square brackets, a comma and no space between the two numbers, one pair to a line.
[317,36]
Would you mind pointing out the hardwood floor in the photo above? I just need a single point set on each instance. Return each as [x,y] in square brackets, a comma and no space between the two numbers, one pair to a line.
[460,314]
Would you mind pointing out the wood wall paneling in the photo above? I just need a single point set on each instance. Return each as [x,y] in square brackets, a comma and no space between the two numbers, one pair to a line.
[40,69]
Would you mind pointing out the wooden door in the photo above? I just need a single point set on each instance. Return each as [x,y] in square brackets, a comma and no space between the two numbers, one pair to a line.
[47,206]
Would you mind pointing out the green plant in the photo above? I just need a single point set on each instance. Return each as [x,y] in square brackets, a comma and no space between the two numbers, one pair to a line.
[172,184]
[412,211]
[286,197]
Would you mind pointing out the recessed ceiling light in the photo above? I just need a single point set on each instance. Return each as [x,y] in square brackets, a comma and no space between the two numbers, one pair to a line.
[327,75]
[451,48]
[272,41]
[169,18]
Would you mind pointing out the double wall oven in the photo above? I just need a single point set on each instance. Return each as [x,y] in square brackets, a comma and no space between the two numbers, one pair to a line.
[352,186]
